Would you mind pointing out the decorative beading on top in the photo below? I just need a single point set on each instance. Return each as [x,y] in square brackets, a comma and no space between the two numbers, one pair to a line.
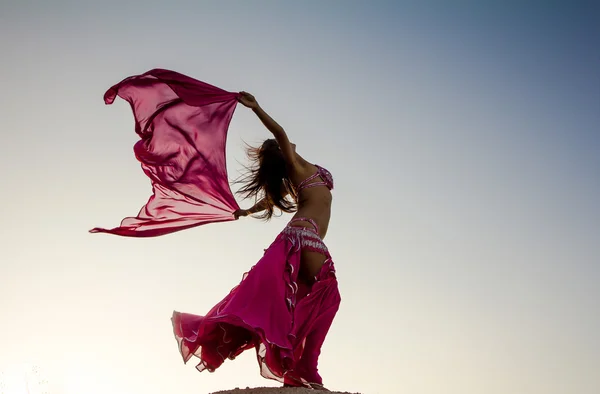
[324,174]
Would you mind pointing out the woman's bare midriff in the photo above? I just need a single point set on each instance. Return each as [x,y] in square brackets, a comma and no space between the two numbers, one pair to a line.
[314,203]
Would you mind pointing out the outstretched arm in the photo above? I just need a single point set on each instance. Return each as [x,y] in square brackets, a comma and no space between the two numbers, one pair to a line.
[278,132]
[259,206]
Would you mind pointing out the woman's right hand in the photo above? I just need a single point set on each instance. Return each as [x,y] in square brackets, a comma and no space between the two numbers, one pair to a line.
[240,212]
[248,100]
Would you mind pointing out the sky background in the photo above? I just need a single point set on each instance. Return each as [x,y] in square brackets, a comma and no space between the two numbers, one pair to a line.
[464,139]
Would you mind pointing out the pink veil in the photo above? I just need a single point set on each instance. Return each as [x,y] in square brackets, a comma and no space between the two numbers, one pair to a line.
[182,124]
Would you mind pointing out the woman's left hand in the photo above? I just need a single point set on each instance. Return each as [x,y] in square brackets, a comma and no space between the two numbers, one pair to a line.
[248,100]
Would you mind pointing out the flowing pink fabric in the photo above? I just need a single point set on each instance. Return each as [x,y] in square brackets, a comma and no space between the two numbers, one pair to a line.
[182,124]
[285,321]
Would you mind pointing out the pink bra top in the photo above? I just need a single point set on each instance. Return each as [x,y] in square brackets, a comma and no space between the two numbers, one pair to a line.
[326,180]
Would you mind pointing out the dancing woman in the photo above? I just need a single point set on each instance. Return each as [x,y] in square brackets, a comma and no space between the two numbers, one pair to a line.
[286,303]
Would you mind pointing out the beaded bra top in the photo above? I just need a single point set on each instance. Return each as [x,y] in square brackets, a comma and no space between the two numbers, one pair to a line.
[324,174]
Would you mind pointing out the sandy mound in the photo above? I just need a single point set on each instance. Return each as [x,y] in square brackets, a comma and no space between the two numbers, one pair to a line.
[277,390]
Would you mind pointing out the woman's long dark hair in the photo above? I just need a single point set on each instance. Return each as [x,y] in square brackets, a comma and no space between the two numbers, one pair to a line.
[267,178]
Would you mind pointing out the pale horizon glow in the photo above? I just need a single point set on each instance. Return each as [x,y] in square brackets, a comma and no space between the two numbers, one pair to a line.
[463,140]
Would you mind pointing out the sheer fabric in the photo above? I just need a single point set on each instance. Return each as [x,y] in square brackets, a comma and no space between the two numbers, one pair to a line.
[182,124]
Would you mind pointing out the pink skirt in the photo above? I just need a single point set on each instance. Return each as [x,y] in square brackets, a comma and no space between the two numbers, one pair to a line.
[269,310]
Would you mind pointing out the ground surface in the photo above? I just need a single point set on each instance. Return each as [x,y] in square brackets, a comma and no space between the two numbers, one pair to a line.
[278,390]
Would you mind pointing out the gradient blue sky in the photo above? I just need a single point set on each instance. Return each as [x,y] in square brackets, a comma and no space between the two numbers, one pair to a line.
[464,139]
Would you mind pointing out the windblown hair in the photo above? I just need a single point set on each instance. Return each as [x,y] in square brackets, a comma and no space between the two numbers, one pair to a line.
[267,178]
